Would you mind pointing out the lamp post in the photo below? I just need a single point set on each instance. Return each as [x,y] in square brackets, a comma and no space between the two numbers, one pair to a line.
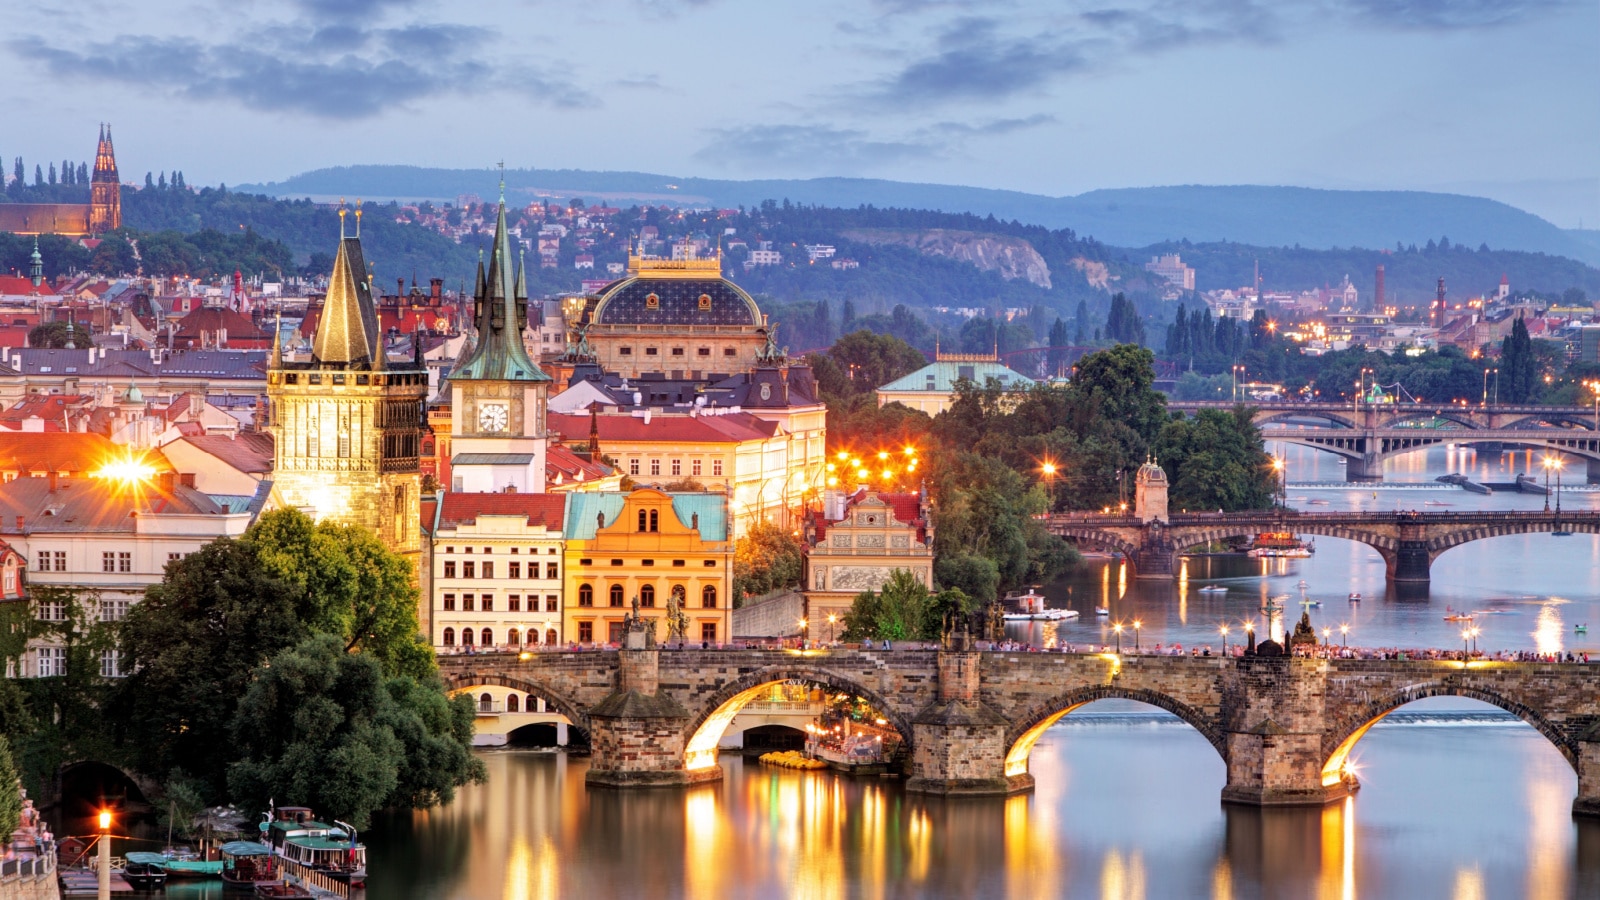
[1118,629]
[1466,634]
[1594,387]
[1281,479]
[1327,633]
[803,625]
[1344,636]
[1548,464]
[1559,464]
[1485,401]
[1223,630]
[832,620]
[103,864]
[1136,626]
[1237,370]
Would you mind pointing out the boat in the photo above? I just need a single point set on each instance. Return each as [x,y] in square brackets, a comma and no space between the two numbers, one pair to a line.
[248,863]
[1279,544]
[295,834]
[1581,629]
[282,890]
[1101,611]
[1311,603]
[1452,615]
[144,876]
[1355,597]
[1045,615]
[1213,589]
[1561,532]
[177,866]
[1302,585]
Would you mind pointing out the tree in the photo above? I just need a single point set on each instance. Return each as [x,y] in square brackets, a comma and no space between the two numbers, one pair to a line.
[58,334]
[1080,320]
[323,726]
[1215,461]
[1123,323]
[870,360]
[10,797]
[1056,364]
[114,256]
[766,559]
[1519,365]
[900,612]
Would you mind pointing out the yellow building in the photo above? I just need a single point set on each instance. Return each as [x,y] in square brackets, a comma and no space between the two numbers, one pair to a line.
[856,543]
[348,425]
[650,546]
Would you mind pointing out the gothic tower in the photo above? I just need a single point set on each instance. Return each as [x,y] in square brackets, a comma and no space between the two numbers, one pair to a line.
[348,425]
[497,402]
[105,189]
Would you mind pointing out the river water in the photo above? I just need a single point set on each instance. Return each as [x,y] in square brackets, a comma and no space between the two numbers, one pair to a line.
[1458,801]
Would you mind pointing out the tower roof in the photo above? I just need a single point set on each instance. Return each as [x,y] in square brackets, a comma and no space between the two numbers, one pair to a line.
[105,158]
[347,334]
[501,315]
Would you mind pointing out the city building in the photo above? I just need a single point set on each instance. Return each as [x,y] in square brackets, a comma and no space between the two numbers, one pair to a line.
[495,562]
[223,464]
[1171,269]
[932,388]
[855,543]
[108,538]
[101,214]
[674,316]
[653,547]
[498,394]
[347,424]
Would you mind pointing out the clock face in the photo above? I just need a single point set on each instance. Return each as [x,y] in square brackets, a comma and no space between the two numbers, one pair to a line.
[493,417]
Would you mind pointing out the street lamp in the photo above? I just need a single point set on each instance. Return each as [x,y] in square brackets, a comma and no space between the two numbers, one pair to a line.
[1118,629]
[832,619]
[1344,635]
[1326,634]
[1223,630]
[1136,626]
[1485,401]
[1282,479]
[1559,464]
[803,625]
[1548,465]
[1594,386]
[104,862]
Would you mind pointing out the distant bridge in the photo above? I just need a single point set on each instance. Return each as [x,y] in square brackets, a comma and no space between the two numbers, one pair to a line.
[1387,415]
[1409,542]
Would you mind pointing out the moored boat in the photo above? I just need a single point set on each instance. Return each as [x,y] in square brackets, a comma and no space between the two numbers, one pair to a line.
[1213,589]
[281,890]
[144,876]
[248,863]
[177,866]
[295,834]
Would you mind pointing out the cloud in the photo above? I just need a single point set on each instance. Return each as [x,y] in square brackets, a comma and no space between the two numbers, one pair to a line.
[1451,14]
[807,148]
[991,128]
[334,70]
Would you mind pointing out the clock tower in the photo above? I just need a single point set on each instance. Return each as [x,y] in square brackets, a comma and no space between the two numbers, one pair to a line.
[497,393]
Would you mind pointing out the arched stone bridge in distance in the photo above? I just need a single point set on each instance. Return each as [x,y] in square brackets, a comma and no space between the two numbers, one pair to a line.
[1284,727]
[1367,434]
[1409,542]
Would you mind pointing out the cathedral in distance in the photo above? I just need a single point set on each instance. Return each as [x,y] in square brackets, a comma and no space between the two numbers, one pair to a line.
[101,214]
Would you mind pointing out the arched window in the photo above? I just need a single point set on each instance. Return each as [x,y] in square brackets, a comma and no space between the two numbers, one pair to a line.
[708,596]
[488,638]
[513,704]
[550,636]
[616,595]
[466,637]
[642,520]
[653,521]
[449,637]
[486,703]
[533,637]
[585,595]
[647,595]
[514,637]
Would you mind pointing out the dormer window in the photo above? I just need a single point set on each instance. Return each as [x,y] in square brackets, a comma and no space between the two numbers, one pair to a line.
[652,301]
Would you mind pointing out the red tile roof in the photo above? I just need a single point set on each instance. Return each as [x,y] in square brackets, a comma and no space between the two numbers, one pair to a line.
[77,453]
[540,509]
[16,284]
[249,451]
[49,407]
[560,460]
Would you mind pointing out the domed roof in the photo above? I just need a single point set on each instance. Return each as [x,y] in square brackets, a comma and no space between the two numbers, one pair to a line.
[132,394]
[1150,471]
[675,292]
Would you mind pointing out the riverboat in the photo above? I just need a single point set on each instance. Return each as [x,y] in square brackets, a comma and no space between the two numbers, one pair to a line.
[1101,611]
[1046,615]
[177,866]
[248,863]
[1452,615]
[295,834]
[281,890]
[1355,597]
[1213,589]
[144,876]
[1279,544]
[1581,629]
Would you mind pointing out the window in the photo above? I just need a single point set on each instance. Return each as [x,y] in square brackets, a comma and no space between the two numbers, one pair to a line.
[677,564]
[52,662]
[616,595]
[488,569]
[487,603]
[174,557]
[61,560]
[677,467]
[649,351]
[488,638]
[449,637]
[703,351]
[551,570]
[108,562]
[677,351]
[114,610]
[585,595]
[449,602]
[633,467]
[647,595]
[550,635]
[716,467]
[653,521]
[616,562]
[585,632]
[708,632]
[44,561]
[54,611]
[466,602]
[585,562]
[643,520]
[513,703]
[655,467]
[694,467]
[550,602]
[514,570]
[110,664]
[468,569]
[647,562]
[729,351]
[708,596]
[450,568]
[514,603]
[513,638]
[125,561]
[710,564]
[466,637]
[625,351]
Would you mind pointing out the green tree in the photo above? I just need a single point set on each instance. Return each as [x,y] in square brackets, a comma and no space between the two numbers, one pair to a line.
[1215,461]
[1519,365]
[766,559]
[1123,323]
[58,334]
[10,797]
[902,611]
[869,361]
[114,256]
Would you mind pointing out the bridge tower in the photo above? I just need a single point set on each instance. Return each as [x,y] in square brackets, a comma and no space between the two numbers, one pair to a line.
[1150,493]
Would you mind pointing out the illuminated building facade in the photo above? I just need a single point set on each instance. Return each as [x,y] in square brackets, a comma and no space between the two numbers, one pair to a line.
[348,425]
[856,543]
[497,394]
[496,567]
[103,212]
[654,546]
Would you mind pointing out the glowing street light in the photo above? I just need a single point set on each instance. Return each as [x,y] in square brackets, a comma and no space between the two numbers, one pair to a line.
[832,619]
[1118,629]
[803,625]
[104,862]
[1344,635]
[1223,630]
[1326,634]
[1136,626]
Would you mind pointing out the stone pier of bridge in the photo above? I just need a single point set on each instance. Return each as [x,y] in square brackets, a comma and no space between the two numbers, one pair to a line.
[969,719]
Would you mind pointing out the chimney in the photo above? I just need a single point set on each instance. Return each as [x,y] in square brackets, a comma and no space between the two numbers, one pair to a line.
[54,481]
[22,522]
[166,481]
[436,290]
[186,479]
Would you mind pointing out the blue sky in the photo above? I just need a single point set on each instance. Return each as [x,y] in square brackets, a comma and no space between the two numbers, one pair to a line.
[1499,98]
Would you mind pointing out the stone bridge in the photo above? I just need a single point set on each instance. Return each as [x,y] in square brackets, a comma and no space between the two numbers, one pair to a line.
[1283,726]
[1493,417]
[1409,542]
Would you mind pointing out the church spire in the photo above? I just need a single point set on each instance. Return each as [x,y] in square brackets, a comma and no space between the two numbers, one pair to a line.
[347,334]
[501,312]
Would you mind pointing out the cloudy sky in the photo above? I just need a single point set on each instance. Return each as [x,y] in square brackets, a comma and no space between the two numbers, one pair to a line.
[1493,97]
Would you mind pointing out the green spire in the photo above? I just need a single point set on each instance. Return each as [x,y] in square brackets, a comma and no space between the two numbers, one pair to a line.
[501,303]
[35,264]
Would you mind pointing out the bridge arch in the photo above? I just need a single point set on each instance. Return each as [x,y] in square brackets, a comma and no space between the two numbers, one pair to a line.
[577,715]
[1350,729]
[1386,546]
[1507,528]
[1094,535]
[705,730]
[1270,417]
[1034,721]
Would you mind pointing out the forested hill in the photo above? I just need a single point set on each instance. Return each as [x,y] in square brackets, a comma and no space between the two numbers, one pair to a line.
[1256,214]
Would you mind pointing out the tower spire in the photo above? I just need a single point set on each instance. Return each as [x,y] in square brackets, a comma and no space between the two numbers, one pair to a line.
[500,314]
[347,334]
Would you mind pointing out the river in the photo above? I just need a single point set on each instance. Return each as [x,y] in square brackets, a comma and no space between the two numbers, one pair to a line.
[1459,800]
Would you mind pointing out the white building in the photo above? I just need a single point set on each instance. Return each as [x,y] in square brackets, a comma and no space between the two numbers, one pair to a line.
[495,561]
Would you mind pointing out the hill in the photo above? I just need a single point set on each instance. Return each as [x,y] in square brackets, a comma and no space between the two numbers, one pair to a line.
[1252,214]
